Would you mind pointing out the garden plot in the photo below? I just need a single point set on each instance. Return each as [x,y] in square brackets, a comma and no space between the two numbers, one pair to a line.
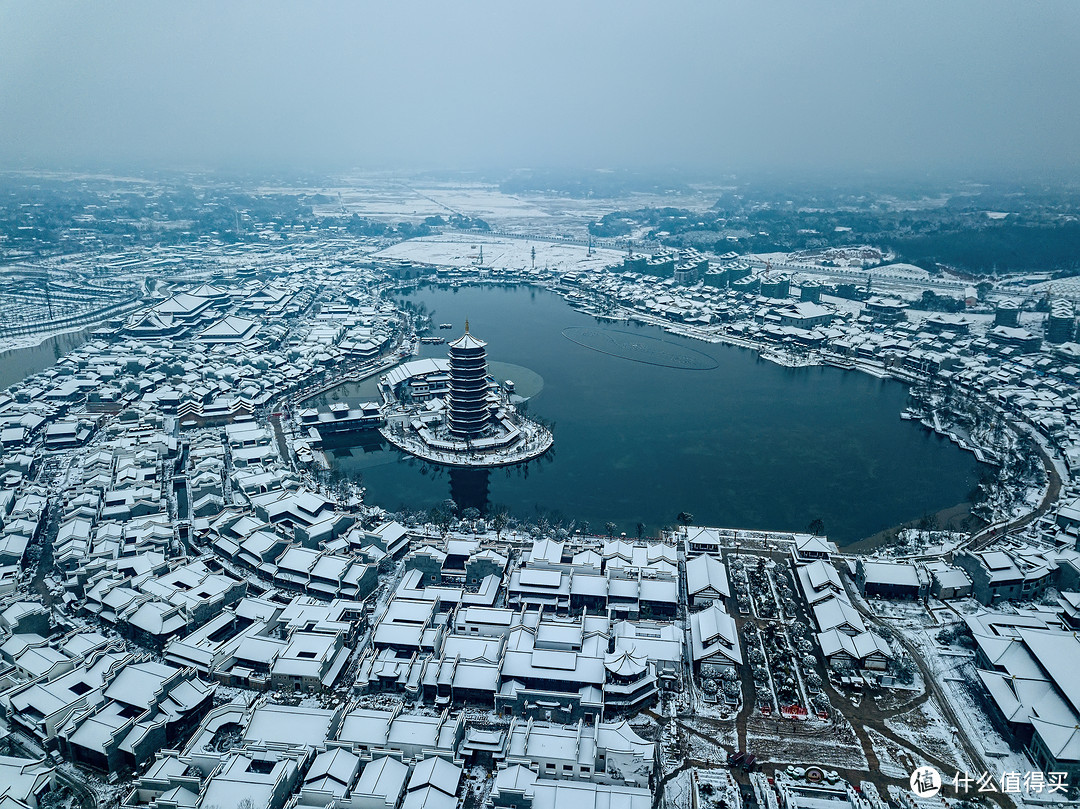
[701,749]
[739,584]
[909,614]
[779,647]
[785,742]
[677,791]
[723,733]
[721,693]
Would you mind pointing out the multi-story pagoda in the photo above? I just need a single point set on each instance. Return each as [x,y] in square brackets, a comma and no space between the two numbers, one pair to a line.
[469,412]
[479,426]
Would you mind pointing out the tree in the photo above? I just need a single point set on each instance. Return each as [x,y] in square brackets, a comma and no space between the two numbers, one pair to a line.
[685,518]
[471,514]
[498,521]
[443,514]
[904,670]
[816,527]
[640,530]
[610,528]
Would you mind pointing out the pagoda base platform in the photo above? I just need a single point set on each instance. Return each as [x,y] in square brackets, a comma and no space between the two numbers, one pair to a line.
[511,442]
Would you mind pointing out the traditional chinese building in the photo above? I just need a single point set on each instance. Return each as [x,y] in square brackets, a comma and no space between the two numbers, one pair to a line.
[468,413]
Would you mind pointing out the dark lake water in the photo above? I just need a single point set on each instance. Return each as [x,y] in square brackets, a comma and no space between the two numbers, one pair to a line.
[737,442]
[18,363]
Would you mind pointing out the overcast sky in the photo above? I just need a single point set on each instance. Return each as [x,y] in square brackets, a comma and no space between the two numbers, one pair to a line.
[984,86]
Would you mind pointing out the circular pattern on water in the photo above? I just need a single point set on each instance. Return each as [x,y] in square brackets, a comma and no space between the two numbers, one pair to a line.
[527,382]
[639,348]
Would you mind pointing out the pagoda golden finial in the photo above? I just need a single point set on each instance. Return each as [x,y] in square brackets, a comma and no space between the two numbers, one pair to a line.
[466,325]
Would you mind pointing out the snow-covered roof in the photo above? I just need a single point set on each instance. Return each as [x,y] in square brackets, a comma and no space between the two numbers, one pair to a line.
[713,635]
[705,573]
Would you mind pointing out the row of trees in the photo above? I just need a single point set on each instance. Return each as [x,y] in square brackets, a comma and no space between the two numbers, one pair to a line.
[1000,489]
[447,513]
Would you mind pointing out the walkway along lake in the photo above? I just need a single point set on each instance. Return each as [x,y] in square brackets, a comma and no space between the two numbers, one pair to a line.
[712,430]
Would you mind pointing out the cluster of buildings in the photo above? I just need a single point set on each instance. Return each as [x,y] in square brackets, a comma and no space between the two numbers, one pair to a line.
[842,635]
[1026,662]
[206,579]
[78,692]
[559,634]
[1002,359]
[352,756]
[182,530]
[1017,571]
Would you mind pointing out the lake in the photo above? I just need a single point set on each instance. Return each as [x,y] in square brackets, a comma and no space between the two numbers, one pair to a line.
[18,363]
[686,426]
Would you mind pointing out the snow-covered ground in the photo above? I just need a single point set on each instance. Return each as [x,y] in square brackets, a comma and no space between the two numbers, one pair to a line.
[894,760]
[928,730]
[31,340]
[463,250]
[784,741]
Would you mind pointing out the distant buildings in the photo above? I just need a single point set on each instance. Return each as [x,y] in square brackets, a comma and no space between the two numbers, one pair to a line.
[1061,322]
[1007,313]
[886,310]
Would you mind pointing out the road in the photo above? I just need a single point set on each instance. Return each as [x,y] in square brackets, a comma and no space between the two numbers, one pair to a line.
[980,540]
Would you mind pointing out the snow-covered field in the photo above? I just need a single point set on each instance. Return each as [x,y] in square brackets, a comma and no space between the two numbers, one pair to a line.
[414,202]
[927,730]
[780,741]
[391,200]
[463,250]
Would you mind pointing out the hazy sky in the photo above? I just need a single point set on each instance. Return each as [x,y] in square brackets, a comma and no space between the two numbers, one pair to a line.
[981,85]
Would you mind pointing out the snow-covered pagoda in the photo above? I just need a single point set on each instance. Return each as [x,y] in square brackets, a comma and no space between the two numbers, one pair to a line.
[469,412]
[474,423]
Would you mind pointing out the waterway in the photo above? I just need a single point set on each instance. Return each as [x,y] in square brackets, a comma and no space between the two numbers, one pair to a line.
[647,428]
[18,363]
